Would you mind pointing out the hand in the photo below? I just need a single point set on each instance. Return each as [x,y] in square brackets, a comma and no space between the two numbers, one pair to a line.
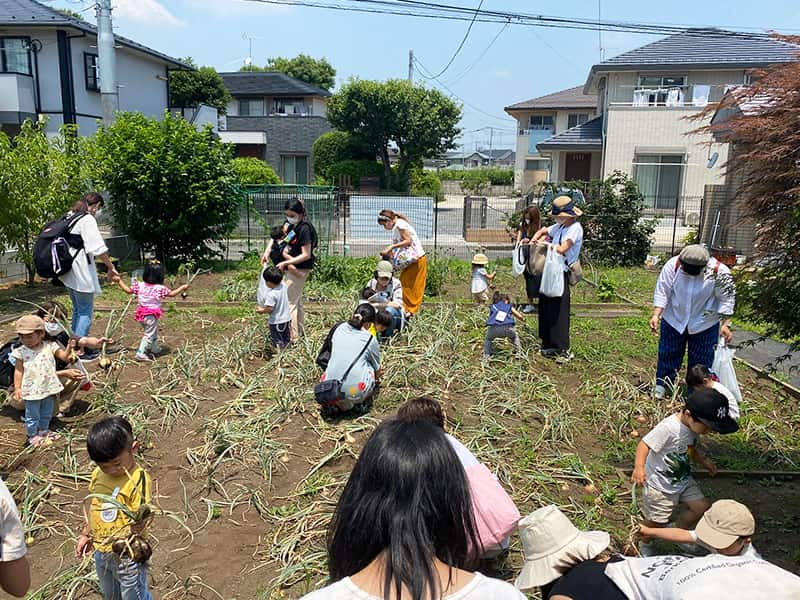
[282,266]
[654,320]
[638,476]
[644,531]
[17,394]
[84,546]
[386,251]
[113,275]
[264,259]
[75,374]
[726,333]
[105,340]
[712,468]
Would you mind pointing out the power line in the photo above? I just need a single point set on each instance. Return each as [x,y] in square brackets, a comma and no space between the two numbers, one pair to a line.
[463,41]
[480,57]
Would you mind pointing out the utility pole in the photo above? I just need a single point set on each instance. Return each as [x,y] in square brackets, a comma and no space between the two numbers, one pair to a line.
[491,138]
[411,66]
[107,63]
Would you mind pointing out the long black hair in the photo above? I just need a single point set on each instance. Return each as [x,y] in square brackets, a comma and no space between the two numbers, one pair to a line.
[408,500]
[295,205]
[363,314]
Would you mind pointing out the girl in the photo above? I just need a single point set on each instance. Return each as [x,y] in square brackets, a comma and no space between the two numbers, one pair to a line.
[150,293]
[35,378]
[480,279]
[527,229]
[414,275]
[500,323]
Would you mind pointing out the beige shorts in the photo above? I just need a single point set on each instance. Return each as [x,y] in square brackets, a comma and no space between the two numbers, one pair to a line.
[481,297]
[657,506]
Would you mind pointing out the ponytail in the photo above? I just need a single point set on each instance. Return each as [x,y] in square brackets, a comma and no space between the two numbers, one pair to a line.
[363,315]
[90,199]
[390,214]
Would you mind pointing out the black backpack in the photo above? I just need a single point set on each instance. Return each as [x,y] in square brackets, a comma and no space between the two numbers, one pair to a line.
[52,254]
[6,368]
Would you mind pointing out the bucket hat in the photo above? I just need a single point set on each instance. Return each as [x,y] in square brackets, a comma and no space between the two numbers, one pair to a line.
[480,259]
[29,324]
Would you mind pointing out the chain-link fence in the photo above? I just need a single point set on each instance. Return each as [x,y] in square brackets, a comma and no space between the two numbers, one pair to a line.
[724,225]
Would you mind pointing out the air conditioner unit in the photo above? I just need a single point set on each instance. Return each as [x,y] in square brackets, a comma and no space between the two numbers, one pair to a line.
[691,219]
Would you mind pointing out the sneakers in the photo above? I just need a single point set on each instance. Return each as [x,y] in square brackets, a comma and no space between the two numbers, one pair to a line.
[659,392]
[528,309]
[141,357]
[564,357]
[40,440]
[90,355]
[548,352]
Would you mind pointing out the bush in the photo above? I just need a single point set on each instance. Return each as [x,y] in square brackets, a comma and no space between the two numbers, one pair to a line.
[444,268]
[475,181]
[426,183]
[356,169]
[493,175]
[253,171]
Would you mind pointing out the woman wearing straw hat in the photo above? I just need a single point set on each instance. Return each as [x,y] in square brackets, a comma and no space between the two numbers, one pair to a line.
[567,237]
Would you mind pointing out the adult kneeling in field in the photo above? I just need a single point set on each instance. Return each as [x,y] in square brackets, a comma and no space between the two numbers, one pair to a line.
[403,527]
[694,300]
[406,240]
[387,293]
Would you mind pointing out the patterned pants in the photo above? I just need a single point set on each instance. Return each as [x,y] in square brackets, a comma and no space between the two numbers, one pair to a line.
[672,346]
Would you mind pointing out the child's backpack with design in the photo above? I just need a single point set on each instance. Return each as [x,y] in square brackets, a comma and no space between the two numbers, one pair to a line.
[6,367]
[53,253]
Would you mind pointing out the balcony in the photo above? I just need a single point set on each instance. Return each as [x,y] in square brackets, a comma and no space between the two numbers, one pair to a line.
[17,99]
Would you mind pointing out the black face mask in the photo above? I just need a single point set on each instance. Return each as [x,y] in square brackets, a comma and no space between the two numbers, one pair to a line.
[692,269]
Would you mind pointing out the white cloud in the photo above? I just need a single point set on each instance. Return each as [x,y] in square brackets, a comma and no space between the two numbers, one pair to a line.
[146,11]
[236,8]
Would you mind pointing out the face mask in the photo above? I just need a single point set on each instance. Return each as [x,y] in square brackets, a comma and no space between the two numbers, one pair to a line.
[692,269]
[53,328]
[292,220]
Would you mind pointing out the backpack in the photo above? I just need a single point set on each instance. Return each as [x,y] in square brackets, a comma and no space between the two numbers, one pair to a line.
[52,254]
[324,355]
[6,368]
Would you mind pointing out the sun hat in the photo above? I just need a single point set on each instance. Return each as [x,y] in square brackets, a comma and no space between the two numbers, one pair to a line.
[712,409]
[695,255]
[565,205]
[551,544]
[384,268]
[480,259]
[724,523]
[29,324]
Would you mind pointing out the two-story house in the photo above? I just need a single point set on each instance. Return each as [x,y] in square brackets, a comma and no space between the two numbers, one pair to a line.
[541,118]
[276,118]
[48,68]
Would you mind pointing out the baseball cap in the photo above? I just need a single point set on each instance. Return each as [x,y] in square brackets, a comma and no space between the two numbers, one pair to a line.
[384,268]
[724,523]
[695,255]
[29,324]
[711,408]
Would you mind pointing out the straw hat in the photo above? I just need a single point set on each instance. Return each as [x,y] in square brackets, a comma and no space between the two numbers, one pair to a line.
[384,268]
[29,324]
[564,205]
[551,544]
[480,259]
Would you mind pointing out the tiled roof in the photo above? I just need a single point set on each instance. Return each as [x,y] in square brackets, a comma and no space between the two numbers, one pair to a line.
[268,83]
[570,98]
[29,13]
[588,136]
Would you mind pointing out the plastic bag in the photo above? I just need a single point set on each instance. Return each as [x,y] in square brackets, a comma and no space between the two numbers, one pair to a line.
[724,369]
[552,284]
[261,292]
[518,261]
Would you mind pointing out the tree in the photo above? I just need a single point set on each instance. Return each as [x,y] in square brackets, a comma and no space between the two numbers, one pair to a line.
[200,86]
[421,122]
[337,146]
[173,189]
[316,71]
[71,13]
[253,171]
[40,178]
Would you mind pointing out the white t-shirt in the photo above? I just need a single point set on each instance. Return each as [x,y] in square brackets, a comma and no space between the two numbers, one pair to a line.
[480,281]
[397,237]
[278,299]
[733,405]
[480,588]
[560,234]
[668,466]
[82,277]
[12,534]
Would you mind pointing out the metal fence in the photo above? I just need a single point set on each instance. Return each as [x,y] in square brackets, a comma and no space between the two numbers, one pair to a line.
[724,225]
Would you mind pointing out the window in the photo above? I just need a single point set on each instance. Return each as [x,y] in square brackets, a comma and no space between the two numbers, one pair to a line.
[290,106]
[91,72]
[537,165]
[15,55]
[294,169]
[659,179]
[251,107]
[541,122]
[576,119]
[660,90]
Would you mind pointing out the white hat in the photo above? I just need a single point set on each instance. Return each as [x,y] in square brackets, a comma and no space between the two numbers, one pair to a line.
[551,544]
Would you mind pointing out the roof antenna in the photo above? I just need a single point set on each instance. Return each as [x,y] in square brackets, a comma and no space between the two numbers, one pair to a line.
[248,62]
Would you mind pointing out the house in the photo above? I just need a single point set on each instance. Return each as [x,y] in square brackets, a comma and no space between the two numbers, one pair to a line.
[48,68]
[647,99]
[276,118]
[500,158]
[539,119]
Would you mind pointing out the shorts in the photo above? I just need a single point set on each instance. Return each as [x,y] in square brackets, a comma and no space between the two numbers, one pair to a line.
[657,506]
[481,297]
[280,334]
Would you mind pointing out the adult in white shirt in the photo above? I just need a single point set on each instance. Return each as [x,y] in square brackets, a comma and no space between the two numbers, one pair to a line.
[81,279]
[694,301]
[403,527]
[413,277]
[15,572]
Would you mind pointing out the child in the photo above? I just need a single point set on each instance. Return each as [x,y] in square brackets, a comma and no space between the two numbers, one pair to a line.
[150,292]
[501,323]
[699,377]
[383,321]
[276,247]
[35,378]
[275,303]
[662,464]
[112,447]
[480,279]
[726,528]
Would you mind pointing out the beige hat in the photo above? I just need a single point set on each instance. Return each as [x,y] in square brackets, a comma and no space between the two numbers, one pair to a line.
[551,544]
[695,255]
[384,268]
[480,259]
[29,324]
[724,523]
[564,205]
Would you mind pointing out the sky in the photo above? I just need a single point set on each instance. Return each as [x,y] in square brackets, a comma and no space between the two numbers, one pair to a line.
[524,62]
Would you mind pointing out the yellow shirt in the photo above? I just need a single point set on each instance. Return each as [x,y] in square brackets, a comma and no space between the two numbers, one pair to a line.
[106,521]
[372,330]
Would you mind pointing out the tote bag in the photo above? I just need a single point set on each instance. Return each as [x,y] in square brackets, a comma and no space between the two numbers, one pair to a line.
[552,284]
[518,262]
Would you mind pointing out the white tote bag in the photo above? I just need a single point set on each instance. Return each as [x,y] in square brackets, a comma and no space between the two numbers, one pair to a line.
[518,261]
[724,369]
[552,284]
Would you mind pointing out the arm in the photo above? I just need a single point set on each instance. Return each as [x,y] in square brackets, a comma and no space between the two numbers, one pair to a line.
[517,314]
[725,291]
[178,290]
[654,320]
[265,256]
[19,370]
[702,459]
[75,374]
[124,287]
[642,450]
[84,545]
[94,342]
[539,235]
[491,276]
[565,245]
[264,310]
[668,534]
[305,254]
[404,241]
[666,279]
[113,274]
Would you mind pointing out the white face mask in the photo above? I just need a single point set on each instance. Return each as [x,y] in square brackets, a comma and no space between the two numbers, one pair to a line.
[292,220]
[53,328]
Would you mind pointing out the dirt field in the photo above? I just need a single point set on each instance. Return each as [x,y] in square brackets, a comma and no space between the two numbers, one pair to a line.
[240,454]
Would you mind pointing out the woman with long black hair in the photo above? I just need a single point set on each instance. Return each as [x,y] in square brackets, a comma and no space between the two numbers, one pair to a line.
[403,528]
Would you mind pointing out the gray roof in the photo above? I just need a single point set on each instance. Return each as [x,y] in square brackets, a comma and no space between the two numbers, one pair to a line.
[268,83]
[29,13]
[588,136]
[564,99]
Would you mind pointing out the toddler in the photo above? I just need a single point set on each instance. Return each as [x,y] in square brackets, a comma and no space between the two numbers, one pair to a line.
[699,377]
[383,321]
[275,302]
[276,247]
[662,464]
[111,446]
[36,381]
[150,292]
[480,279]
[501,324]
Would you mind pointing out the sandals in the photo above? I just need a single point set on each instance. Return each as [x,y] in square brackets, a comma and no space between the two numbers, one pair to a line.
[40,441]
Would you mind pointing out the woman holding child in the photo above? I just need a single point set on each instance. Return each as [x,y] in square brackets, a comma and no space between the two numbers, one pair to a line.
[413,276]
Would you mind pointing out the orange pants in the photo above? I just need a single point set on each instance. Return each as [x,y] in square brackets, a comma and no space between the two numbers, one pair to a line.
[413,280]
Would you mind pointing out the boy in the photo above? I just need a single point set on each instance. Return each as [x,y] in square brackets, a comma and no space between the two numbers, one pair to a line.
[662,464]
[726,528]
[276,247]
[699,377]
[383,321]
[275,303]
[111,446]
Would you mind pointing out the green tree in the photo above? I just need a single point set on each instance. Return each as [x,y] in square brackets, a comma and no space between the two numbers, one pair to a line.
[316,71]
[420,122]
[337,146]
[71,13]
[253,171]
[41,176]
[173,189]
[200,86]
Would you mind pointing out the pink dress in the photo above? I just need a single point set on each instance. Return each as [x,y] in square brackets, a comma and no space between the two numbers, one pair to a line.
[150,297]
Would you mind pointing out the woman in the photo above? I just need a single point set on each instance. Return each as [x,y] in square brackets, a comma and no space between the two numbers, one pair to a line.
[403,527]
[388,294]
[302,239]
[527,229]
[567,237]
[355,349]
[414,275]
[81,279]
